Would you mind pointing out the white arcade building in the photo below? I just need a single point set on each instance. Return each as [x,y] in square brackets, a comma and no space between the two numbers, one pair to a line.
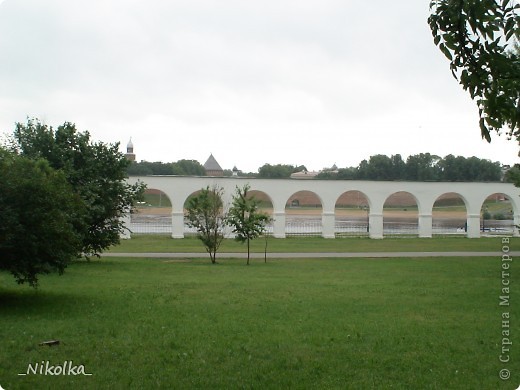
[178,189]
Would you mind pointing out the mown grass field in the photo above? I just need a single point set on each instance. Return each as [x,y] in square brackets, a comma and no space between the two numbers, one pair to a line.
[165,244]
[302,324]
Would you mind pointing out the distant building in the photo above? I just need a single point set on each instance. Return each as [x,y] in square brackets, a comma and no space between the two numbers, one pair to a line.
[212,167]
[304,175]
[503,172]
[130,155]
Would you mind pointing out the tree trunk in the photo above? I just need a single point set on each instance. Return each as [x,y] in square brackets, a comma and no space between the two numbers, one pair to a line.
[265,250]
[248,251]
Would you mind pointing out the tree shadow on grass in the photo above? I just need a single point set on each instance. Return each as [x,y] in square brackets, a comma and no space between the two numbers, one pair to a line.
[21,302]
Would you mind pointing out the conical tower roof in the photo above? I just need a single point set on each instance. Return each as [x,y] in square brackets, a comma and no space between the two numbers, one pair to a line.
[212,164]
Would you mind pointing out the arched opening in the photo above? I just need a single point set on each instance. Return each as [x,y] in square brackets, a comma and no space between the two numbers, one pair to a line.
[189,231]
[400,215]
[153,215]
[265,205]
[303,214]
[449,215]
[496,215]
[352,215]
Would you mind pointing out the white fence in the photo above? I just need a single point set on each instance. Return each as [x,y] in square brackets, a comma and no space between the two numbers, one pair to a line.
[309,226]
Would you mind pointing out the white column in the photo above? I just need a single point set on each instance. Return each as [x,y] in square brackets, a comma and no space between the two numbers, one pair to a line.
[328,221]
[177,224]
[473,225]
[516,222]
[228,232]
[279,224]
[125,234]
[375,225]
[425,225]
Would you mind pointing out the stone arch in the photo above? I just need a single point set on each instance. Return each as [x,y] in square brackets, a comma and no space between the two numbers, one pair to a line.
[265,200]
[352,211]
[303,211]
[153,214]
[401,214]
[305,199]
[265,205]
[449,214]
[186,228]
[185,203]
[179,188]
[497,215]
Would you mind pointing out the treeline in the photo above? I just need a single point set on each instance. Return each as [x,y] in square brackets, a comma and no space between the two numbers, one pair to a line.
[194,168]
[181,168]
[178,168]
[419,167]
[279,171]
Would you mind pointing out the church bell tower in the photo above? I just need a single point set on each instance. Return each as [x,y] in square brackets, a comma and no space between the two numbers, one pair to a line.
[130,155]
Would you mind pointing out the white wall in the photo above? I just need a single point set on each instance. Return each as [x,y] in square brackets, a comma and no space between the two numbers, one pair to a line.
[179,188]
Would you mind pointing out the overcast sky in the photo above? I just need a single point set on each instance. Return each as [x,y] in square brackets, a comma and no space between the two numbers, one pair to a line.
[313,82]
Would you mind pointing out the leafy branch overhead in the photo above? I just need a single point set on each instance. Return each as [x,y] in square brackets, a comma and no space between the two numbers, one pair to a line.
[478,38]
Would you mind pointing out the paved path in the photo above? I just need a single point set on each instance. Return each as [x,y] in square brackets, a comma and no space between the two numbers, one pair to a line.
[257,255]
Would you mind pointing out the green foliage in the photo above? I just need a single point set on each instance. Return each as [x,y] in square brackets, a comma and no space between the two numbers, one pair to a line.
[477,36]
[188,168]
[40,216]
[179,168]
[245,219]
[381,167]
[95,171]
[278,171]
[513,175]
[420,167]
[205,212]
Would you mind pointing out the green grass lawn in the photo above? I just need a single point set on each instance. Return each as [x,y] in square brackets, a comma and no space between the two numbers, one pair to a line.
[306,323]
[165,244]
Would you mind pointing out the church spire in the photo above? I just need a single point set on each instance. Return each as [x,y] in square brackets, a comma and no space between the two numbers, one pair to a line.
[130,155]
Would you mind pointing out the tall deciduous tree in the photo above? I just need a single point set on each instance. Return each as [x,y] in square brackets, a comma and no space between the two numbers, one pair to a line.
[39,214]
[205,212]
[96,172]
[422,167]
[245,219]
[477,36]
[380,168]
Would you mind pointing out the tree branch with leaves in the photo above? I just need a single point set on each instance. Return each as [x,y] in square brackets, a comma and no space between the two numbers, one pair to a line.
[95,171]
[478,38]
